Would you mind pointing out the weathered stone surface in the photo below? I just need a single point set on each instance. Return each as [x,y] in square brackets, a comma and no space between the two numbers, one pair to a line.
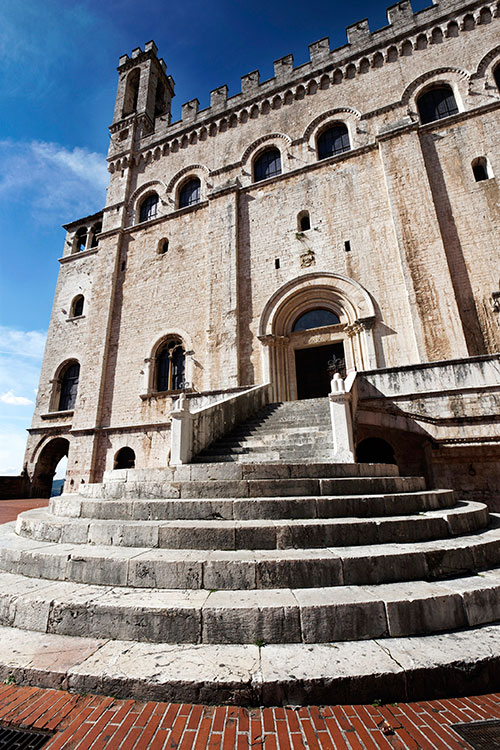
[340,614]
[419,607]
[204,674]
[251,617]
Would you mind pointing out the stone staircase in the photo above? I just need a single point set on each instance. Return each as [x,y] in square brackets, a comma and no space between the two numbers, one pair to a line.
[294,431]
[252,579]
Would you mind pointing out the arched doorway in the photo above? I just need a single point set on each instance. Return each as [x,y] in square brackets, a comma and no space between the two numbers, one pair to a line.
[311,327]
[45,467]
[314,365]
[375,451]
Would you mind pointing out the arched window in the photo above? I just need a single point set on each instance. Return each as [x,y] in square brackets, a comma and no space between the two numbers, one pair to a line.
[268,164]
[124,459]
[77,306]
[436,103]
[334,140]
[190,193]
[170,366]
[131,92]
[481,169]
[96,230]
[81,240]
[315,319]
[303,221]
[69,386]
[149,208]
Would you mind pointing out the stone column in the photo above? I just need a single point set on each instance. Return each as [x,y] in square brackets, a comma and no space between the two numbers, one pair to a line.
[276,370]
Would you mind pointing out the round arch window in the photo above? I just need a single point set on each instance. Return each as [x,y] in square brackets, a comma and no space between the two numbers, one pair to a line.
[190,193]
[315,319]
[268,164]
[332,141]
[149,208]
[69,386]
[436,103]
[170,366]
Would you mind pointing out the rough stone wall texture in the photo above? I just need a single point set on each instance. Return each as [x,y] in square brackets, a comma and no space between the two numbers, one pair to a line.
[423,234]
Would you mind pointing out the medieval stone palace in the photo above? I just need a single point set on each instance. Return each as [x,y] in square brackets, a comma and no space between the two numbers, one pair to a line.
[273,365]
[346,209]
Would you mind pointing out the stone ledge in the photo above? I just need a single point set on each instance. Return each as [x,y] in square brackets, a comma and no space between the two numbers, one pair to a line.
[397,669]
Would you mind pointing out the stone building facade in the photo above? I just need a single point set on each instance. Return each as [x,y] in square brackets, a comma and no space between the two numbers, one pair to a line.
[344,209]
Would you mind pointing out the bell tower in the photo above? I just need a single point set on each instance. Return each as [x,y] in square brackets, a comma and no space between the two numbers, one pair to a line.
[144,93]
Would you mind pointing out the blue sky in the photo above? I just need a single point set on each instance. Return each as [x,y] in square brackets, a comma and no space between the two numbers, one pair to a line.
[58,61]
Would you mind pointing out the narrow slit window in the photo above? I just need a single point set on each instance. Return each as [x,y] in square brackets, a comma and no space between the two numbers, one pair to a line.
[77,307]
[480,169]
[304,221]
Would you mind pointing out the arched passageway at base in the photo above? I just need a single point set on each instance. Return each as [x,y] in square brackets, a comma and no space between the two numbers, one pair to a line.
[124,459]
[375,451]
[46,465]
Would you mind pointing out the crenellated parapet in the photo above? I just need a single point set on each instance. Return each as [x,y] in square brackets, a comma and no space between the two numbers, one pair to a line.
[407,33]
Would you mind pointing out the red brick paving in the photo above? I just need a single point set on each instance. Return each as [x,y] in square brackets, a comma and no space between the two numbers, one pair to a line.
[10,509]
[91,722]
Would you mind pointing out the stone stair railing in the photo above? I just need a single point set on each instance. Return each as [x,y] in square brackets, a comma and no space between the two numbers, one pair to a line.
[192,431]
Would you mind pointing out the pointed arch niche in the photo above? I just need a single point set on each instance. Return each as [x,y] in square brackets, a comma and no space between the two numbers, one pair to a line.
[337,294]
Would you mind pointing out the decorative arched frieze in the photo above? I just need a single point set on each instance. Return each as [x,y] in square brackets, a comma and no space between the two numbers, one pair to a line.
[342,115]
[457,77]
[156,186]
[486,64]
[279,139]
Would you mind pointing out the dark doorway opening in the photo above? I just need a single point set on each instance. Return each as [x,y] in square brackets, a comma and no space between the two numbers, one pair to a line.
[375,451]
[46,465]
[124,459]
[312,369]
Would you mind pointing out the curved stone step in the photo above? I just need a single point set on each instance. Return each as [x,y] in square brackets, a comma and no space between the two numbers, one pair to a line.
[232,488]
[268,456]
[219,534]
[392,669]
[362,506]
[320,615]
[256,569]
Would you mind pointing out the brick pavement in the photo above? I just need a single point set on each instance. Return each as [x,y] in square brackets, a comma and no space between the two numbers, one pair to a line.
[10,509]
[90,722]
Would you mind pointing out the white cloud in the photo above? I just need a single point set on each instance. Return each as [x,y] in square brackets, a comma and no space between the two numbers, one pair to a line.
[12,447]
[20,360]
[22,343]
[54,181]
[10,398]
